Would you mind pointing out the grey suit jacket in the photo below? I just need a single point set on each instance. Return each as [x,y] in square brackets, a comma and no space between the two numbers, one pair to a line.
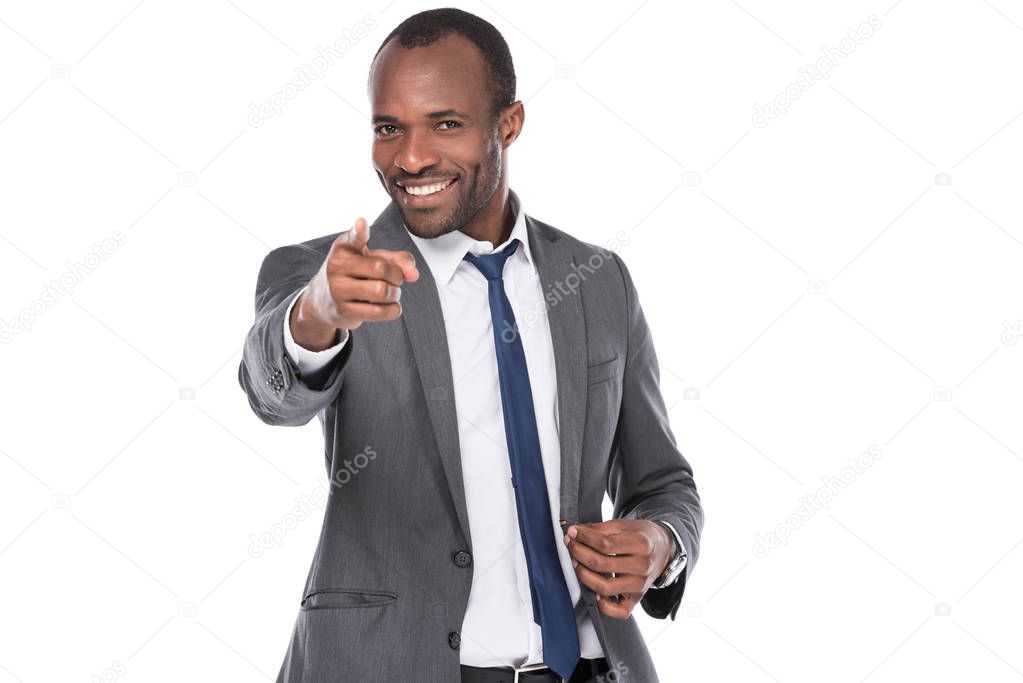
[390,580]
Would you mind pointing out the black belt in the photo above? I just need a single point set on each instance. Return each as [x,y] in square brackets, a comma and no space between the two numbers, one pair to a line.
[586,670]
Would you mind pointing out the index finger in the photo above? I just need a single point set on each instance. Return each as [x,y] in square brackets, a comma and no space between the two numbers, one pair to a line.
[606,541]
[403,259]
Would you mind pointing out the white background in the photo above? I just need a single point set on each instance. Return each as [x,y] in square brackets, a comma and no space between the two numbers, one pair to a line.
[844,278]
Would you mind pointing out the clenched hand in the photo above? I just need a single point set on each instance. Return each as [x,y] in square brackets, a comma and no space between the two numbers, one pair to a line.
[633,551]
[354,285]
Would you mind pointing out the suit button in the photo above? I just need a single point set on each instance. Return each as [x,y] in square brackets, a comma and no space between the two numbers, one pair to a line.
[275,380]
[462,559]
[454,640]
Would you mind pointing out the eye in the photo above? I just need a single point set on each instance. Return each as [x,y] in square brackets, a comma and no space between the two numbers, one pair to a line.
[454,123]
[381,129]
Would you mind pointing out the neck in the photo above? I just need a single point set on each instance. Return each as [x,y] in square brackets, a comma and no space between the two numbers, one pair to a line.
[495,221]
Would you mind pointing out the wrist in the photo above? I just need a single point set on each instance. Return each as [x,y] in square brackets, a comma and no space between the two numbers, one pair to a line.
[307,331]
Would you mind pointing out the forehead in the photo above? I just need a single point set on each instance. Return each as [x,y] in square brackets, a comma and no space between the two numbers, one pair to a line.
[449,73]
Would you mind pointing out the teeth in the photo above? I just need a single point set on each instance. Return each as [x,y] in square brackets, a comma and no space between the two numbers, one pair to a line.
[428,189]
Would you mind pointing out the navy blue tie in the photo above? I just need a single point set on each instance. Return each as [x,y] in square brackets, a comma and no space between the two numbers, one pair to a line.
[552,605]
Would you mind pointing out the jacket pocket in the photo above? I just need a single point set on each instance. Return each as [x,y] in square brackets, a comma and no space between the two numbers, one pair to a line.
[334,598]
[602,371]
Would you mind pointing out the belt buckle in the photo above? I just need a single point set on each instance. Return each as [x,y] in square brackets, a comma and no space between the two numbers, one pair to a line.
[528,668]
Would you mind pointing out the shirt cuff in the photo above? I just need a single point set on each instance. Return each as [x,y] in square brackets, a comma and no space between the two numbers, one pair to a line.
[308,361]
[678,539]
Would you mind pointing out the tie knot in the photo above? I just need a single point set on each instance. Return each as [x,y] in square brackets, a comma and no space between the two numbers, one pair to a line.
[492,265]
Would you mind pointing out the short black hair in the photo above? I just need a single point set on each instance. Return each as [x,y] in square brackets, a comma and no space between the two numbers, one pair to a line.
[426,28]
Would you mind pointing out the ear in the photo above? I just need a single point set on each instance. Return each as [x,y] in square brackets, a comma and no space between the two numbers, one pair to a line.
[510,123]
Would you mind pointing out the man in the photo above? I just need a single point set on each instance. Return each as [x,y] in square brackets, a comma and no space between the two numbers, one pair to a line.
[482,379]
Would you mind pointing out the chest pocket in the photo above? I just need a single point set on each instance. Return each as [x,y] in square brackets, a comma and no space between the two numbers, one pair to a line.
[601,372]
[603,401]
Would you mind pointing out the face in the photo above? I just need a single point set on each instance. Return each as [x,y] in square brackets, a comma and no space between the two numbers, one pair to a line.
[436,149]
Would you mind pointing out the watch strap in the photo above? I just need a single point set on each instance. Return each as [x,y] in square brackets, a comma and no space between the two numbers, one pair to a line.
[675,564]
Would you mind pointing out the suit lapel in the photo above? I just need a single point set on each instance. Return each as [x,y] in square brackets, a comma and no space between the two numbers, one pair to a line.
[554,263]
[423,319]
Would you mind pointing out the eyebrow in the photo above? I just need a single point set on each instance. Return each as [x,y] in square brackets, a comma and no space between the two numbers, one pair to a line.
[444,113]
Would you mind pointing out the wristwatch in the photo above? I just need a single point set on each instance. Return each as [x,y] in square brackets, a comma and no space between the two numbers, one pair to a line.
[676,564]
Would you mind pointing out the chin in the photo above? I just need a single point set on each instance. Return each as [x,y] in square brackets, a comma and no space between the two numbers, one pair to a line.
[427,229]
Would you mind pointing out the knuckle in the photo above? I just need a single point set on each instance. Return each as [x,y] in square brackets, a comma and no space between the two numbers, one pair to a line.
[340,265]
[336,263]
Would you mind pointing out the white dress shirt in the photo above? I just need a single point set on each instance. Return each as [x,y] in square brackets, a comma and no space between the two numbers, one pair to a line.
[498,629]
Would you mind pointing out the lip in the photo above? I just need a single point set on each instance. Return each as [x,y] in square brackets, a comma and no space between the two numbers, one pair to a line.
[426,200]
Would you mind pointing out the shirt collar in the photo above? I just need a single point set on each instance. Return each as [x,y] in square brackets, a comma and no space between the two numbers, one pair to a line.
[444,253]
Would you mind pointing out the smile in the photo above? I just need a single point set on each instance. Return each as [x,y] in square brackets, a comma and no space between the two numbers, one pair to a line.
[424,190]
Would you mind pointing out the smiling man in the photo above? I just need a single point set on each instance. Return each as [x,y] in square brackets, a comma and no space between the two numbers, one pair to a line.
[506,380]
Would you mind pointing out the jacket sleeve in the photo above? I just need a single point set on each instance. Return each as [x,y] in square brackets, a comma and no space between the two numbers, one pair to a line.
[649,477]
[309,363]
[276,392]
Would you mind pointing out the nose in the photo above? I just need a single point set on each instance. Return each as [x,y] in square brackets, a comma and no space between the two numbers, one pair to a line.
[415,154]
